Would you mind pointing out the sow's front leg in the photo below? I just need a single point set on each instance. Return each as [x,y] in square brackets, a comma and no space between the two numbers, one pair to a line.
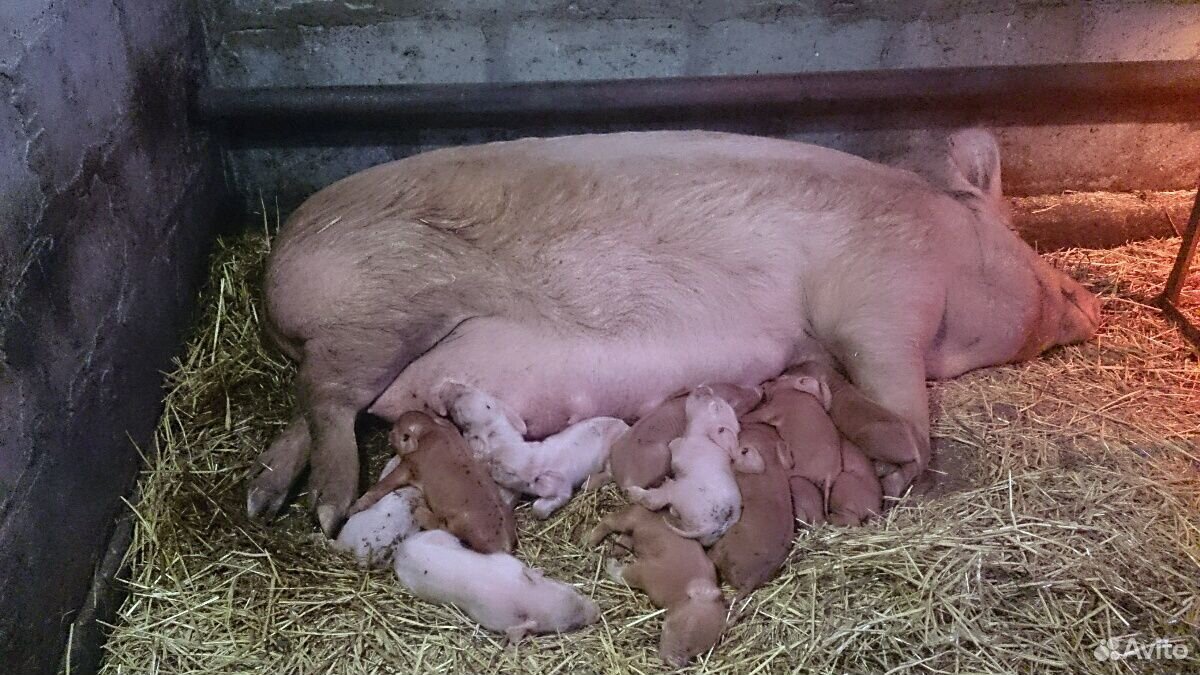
[883,358]
[896,380]
[888,438]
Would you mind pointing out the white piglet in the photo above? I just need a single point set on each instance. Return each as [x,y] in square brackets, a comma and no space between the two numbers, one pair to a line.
[487,424]
[702,491]
[495,589]
[550,469]
[370,535]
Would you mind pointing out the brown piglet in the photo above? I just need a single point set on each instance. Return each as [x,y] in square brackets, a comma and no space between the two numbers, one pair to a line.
[881,434]
[856,494]
[795,407]
[808,504]
[462,497]
[641,458]
[752,551]
[675,573]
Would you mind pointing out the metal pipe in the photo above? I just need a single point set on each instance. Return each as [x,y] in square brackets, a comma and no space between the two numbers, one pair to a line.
[1169,300]
[1141,91]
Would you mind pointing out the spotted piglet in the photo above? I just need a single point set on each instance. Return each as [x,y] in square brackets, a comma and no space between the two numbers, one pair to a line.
[550,469]
[752,551]
[702,492]
[371,534]
[462,498]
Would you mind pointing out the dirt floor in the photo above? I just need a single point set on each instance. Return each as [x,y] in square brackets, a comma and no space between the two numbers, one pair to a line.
[1063,512]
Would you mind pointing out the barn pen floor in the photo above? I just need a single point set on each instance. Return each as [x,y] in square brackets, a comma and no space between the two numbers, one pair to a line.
[1067,513]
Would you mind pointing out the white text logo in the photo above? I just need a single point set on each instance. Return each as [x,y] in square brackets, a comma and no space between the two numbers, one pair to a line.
[1129,649]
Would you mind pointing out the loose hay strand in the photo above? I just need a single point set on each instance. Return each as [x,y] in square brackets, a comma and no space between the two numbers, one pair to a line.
[1068,515]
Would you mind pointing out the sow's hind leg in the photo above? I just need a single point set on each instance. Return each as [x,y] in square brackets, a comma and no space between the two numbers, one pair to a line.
[277,469]
[341,372]
[355,305]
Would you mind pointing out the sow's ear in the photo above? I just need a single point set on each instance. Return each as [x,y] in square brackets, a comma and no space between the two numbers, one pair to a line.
[975,163]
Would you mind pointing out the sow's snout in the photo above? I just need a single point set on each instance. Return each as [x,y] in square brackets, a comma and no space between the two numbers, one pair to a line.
[1079,312]
[1064,312]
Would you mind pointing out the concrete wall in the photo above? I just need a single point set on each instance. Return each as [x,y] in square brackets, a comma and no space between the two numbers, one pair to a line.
[311,42]
[105,217]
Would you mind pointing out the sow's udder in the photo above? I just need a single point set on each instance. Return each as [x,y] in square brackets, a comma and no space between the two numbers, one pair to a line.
[551,382]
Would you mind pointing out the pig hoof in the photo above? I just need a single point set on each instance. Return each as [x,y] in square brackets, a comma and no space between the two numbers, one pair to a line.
[895,484]
[330,517]
[615,570]
[843,520]
[545,507]
[637,495]
[262,503]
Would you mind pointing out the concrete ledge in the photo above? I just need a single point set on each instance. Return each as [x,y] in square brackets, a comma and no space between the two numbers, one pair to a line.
[1099,219]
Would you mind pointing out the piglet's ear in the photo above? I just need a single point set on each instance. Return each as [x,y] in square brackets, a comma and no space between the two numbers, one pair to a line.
[725,438]
[749,460]
[513,418]
[814,386]
[825,397]
[674,445]
[784,454]
[444,394]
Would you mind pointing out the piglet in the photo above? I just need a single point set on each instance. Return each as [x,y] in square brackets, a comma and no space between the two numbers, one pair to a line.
[677,576]
[462,497]
[752,551]
[641,458]
[702,492]
[487,423]
[795,407]
[856,493]
[882,435]
[495,589]
[550,469]
[808,504]
[371,534]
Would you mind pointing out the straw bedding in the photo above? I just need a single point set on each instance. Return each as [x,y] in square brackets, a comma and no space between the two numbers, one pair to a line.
[1066,512]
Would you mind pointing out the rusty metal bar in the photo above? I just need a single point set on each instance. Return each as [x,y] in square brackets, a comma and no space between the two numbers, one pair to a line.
[1169,300]
[1031,94]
